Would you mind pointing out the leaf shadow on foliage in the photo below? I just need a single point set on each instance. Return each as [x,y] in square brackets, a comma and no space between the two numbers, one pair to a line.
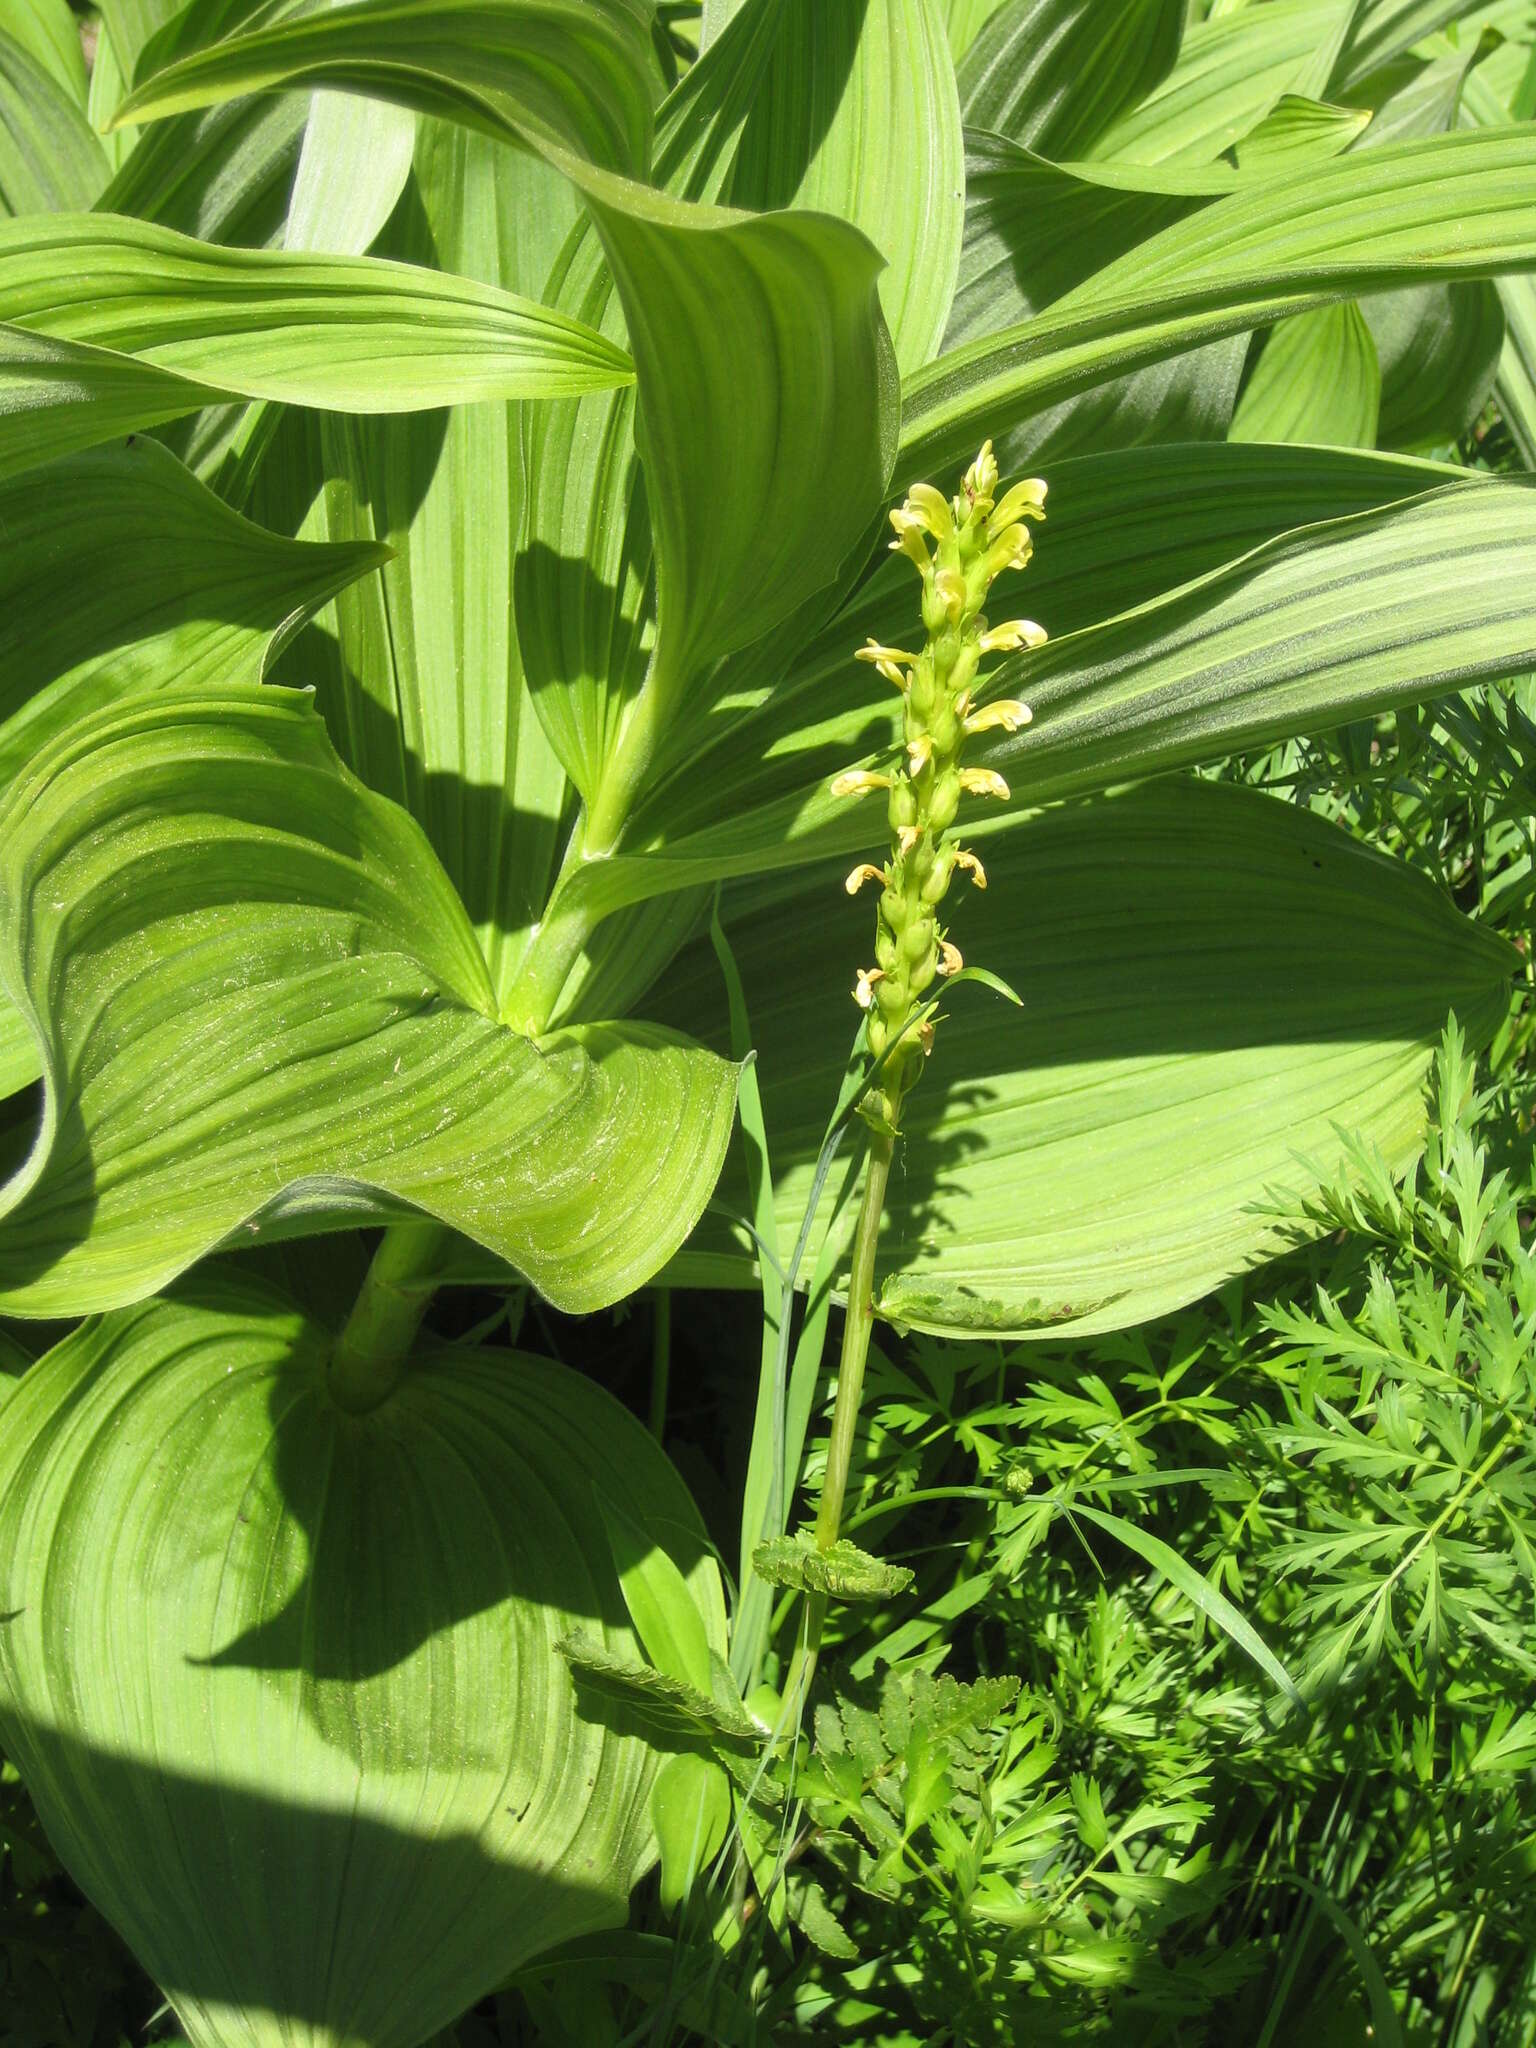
[365,1489]
[292,1888]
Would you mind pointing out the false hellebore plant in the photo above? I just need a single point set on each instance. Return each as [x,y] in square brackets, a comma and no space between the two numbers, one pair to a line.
[374,735]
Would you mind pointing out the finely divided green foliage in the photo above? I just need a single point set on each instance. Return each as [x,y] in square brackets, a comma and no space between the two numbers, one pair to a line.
[288,962]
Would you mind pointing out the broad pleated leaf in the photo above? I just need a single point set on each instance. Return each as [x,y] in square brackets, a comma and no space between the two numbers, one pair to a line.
[1450,207]
[1483,106]
[418,669]
[1209,978]
[253,985]
[1034,231]
[283,1681]
[575,71]
[1231,72]
[119,325]
[765,392]
[1384,29]
[857,115]
[208,594]
[1054,74]
[1313,628]
[49,159]
[1318,379]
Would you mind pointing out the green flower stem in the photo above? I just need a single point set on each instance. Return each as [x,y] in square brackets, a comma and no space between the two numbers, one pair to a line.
[374,1347]
[858,1323]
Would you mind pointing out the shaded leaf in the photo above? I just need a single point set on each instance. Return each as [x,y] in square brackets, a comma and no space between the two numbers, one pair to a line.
[670,1708]
[1054,74]
[49,159]
[256,1634]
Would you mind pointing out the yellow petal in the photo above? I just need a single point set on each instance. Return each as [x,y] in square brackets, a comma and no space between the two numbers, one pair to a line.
[950,961]
[1024,500]
[973,867]
[858,782]
[933,509]
[983,782]
[1006,712]
[865,872]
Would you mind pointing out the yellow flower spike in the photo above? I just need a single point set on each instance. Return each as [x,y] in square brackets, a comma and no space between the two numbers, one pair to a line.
[933,509]
[1025,500]
[858,782]
[972,866]
[1010,637]
[865,872]
[886,660]
[983,782]
[950,961]
[981,477]
[949,586]
[864,988]
[1007,712]
[919,753]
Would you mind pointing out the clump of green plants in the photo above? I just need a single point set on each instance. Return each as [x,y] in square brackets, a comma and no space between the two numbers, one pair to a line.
[448,455]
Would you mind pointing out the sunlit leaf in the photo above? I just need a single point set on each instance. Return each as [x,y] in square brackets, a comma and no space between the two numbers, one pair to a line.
[1317,380]
[1211,980]
[281,1005]
[1054,74]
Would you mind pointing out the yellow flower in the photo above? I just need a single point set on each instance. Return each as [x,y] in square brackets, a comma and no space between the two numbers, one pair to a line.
[864,989]
[1007,712]
[887,660]
[983,782]
[1008,638]
[859,782]
[932,509]
[865,872]
[1025,500]
[950,961]
[1011,549]
[973,867]
[981,477]
[919,753]
[949,587]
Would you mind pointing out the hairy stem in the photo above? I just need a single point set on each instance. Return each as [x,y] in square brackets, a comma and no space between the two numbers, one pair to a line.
[375,1344]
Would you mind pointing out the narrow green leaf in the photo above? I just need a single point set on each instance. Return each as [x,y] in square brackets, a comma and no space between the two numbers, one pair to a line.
[1318,380]
[690,1811]
[1452,206]
[281,1009]
[1198,1590]
[579,72]
[1054,74]
[49,159]
[284,1682]
[671,1629]
[1211,980]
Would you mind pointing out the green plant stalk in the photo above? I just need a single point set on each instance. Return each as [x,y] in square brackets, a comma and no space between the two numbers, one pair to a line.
[374,1347]
[858,1324]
